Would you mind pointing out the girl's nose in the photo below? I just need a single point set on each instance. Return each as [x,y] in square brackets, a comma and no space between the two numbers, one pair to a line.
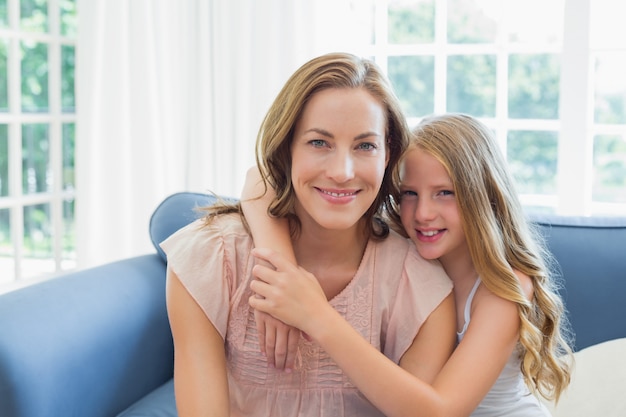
[424,210]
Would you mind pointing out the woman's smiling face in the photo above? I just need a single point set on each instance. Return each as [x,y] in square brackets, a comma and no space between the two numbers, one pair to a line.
[338,157]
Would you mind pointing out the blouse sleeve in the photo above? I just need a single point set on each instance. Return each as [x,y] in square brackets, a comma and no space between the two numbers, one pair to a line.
[198,256]
[424,285]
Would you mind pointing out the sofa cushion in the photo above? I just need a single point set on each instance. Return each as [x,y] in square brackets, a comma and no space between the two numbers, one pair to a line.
[176,211]
[159,403]
[598,382]
[590,254]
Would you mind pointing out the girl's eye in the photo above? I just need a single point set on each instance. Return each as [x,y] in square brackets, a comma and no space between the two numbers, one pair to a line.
[446,192]
[408,195]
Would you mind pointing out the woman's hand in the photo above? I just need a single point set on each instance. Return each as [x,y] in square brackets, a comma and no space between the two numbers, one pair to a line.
[289,293]
[278,341]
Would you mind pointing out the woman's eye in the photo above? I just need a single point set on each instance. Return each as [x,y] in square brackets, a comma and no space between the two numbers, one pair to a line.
[318,143]
[446,192]
[367,146]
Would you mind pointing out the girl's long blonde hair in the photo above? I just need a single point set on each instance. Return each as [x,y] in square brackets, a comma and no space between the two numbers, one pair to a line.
[501,240]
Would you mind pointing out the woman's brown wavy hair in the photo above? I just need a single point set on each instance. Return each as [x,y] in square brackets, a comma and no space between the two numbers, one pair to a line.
[273,144]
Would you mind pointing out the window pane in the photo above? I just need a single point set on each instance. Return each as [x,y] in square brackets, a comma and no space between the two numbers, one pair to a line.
[38,253]
[534,86]
[36,173]
[67,79]
[609,169]
[34,15]
[532,157]
[4,78]
[4,15]
[7,265]
[471,21]
[34,77]
[4,161]
[472,85]
[610,88]
[411,22]
[68,156]
[69,21]
[413,81]
[69,235]
[535,21]
[607,24]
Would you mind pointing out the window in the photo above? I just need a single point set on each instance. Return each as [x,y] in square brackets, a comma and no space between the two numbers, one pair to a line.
[607,62]
[37,121]
[547,77]
[557,107]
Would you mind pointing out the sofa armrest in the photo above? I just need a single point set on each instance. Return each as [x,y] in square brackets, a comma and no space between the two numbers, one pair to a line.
[88,343]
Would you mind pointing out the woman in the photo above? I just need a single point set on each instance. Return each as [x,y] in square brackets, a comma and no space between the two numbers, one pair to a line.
[329,145]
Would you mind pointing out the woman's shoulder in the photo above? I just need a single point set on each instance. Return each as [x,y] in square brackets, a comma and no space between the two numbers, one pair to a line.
[224,230]
[398,250]
[394,242]
[421,287]
[414,259]
[229,224]
[212,261]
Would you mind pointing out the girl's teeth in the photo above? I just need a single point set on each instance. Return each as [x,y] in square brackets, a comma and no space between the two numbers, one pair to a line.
[430,233]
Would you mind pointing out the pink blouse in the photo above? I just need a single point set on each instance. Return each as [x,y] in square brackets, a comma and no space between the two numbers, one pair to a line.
[391,295]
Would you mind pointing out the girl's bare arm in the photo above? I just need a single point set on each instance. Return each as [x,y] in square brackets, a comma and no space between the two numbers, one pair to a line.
[427,383]
[278,341]
[267,232]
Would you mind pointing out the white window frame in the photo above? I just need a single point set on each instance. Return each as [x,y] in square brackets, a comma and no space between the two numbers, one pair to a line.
[22,268]
[576,112]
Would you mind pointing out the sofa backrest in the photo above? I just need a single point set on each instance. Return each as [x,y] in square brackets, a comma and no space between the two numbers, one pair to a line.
[175,212]
[591,253]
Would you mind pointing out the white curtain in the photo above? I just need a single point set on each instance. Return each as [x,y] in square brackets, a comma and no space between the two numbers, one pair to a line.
[170,95]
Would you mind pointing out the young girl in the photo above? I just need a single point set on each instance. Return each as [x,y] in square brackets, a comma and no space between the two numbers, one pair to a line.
[330,143]
[459,206]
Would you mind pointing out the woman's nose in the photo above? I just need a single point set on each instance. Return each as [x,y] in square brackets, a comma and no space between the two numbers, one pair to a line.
[341,166]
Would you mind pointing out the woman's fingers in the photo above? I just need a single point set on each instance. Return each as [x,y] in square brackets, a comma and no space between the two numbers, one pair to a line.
[260,328]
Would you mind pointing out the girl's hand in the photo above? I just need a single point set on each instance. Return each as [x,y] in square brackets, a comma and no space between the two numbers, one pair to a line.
[289,293]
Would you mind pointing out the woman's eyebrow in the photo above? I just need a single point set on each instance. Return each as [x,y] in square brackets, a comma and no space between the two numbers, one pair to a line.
[320,131]
[367,135]
[326,133]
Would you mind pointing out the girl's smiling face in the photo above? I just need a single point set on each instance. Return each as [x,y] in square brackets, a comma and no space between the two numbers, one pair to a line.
[338,157]
[428,207]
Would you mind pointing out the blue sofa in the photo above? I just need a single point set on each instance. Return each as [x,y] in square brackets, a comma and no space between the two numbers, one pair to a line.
[97,343]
